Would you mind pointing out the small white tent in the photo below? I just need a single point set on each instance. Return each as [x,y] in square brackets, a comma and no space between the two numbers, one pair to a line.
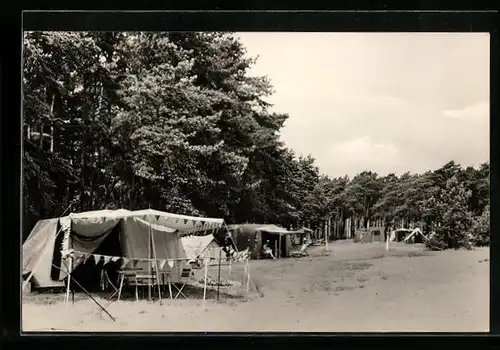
[201,247]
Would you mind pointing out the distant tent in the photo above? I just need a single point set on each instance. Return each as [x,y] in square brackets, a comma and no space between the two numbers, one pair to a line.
[117,233]
[201,247]
[399,235]
[370,235]
[253,237]
[416,236]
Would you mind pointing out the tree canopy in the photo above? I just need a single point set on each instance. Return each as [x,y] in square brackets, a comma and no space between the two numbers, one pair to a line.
[174,121]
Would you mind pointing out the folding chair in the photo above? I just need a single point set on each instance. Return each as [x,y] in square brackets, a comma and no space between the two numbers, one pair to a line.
[185,275]
[109,283]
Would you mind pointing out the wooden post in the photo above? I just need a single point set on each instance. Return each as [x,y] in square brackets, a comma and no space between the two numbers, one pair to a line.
[279,247]
[248,276]
[156,263]
[70,267]
[149,262]
[276,247]
[387,242]
[218,275]
[329,228]
[205,281]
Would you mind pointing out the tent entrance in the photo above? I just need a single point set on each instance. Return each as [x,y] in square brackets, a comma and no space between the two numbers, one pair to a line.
[280,249]
[90,274]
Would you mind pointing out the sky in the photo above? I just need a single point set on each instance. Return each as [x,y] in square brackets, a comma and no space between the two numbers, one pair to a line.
[385,102]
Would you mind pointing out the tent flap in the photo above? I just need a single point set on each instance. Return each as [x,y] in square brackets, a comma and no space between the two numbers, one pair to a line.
[38,252]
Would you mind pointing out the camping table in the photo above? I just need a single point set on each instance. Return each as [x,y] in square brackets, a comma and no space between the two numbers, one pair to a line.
[126,273]
[163,276]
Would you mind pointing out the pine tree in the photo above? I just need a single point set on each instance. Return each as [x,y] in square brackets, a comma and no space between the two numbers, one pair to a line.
[454,218]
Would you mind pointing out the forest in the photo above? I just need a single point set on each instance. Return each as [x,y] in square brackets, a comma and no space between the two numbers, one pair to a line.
[175,122]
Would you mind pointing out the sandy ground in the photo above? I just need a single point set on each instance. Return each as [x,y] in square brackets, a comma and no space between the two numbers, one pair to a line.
[357,287]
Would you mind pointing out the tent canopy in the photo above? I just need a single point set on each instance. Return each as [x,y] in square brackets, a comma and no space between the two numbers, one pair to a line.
[184,224]
[273,229]
[268,228]
[132,232]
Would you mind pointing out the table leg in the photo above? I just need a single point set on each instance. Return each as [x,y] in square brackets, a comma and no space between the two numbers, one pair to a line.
[122,278]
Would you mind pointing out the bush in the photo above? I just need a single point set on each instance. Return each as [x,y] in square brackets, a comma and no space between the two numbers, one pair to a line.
[435,242]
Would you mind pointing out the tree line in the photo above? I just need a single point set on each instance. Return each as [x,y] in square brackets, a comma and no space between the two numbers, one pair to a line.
[174,121]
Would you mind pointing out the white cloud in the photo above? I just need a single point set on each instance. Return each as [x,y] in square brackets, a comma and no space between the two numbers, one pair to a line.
[391,102]
[362,153]
[478,111]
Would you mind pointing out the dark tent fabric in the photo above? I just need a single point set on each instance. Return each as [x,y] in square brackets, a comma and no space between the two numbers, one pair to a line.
[86,232]
[253,236]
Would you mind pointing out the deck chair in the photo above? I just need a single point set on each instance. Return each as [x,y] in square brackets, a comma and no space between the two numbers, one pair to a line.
[243,255]
[107,284]
[185,275]
[301,252]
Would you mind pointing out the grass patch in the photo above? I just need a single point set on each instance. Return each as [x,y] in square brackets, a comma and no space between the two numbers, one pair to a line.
[359,266]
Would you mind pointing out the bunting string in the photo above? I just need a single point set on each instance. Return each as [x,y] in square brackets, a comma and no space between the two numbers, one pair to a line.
[83,257]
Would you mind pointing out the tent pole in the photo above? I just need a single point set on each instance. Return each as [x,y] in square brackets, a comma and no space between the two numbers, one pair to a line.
[231,237]
[69,279]
[149,262]
[205,281]
[169,286]
[156,265]
[218,276]
[87,293]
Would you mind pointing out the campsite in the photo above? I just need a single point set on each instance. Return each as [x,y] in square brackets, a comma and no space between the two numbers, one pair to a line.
[358,287]
[176,181]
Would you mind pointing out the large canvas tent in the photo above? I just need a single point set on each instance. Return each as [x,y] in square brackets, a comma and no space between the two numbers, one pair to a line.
[119,233]
[253,237]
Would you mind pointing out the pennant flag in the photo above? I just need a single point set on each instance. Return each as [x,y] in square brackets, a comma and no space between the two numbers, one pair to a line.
[171,263]
[162,263]
[135,262]
[157,217]
[124,262]
[185,221]
[107,259]
[97,258]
